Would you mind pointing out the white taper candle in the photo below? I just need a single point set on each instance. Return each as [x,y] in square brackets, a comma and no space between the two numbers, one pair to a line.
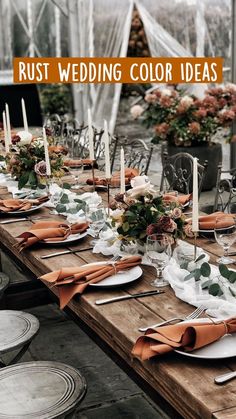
[5,132]
[195,196]
[122,171]
[25,122]
[8,123]
[107,152]
[90,135]
[47,160]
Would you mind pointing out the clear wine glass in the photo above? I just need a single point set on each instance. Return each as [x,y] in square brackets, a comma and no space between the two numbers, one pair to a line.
[225,236]
[55,199]
[76,170]
[97,219]
[158,249]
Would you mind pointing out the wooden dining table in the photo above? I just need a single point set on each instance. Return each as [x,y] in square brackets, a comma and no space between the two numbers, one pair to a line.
[187,384]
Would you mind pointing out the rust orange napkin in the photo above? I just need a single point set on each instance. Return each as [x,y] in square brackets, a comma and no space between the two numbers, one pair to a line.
[180,199]
[184,336]
[49,230]
[74,280]
[130,173]
[8,205]
[208,222]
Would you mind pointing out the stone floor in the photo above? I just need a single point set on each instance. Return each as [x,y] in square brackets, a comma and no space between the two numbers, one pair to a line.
[111,393]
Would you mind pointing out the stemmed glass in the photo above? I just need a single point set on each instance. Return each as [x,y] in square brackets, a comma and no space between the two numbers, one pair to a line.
[97,219]
[158,249]
[225,236]
[76,170]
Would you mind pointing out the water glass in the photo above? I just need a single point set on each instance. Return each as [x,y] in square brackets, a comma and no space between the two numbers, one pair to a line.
[76,170]
[158,249]
[225,236]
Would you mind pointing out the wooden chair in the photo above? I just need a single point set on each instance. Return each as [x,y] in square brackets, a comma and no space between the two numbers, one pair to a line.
[40,389]
[177,173]
[137,154]
[17,330]
[225,197]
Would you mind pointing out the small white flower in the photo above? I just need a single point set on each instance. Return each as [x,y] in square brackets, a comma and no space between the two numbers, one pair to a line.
[141,186]
[186,101]
[166,92]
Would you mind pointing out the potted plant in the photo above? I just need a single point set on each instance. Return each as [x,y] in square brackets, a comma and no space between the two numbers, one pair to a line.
[188,124]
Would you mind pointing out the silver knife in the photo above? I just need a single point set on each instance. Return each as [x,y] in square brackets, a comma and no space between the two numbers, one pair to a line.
[64,252]
[14,221]
[128,297]
[221,379]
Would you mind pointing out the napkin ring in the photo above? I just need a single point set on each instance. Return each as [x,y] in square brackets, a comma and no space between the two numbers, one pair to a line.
[113,264]
[221,322]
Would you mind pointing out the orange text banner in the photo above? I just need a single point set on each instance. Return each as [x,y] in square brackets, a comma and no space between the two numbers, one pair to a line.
[118,70]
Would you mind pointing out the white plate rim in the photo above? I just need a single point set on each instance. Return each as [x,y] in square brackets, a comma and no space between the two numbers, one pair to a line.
[99,284]
[66,241]
[32,209]
[193,355]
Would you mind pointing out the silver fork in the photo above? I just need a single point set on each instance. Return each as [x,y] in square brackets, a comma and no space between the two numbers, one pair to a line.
[196,313]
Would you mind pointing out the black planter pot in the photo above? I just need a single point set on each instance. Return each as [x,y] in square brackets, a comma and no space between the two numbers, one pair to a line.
[212,153]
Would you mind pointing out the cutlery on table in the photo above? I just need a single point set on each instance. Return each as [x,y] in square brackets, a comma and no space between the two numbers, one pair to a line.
[16,220]
[64,252]
[196,313]
[128,297]
[221,379]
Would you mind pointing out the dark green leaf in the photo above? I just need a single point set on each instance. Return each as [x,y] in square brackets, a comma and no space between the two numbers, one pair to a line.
[23,180]
[206,284]
[194,274]
[233,293]
[199,258]
[2,158]
[60,208]
[32,178]
[232,277]
[66,186]
[64,199]
[215,290]
[205,269]
[224,271]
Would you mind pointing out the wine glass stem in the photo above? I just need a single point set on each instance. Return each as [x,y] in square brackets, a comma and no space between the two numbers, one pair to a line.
[159,273]
[226,249]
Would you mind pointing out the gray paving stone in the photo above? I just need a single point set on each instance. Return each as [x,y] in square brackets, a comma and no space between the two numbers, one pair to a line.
[111,393]
[136,407]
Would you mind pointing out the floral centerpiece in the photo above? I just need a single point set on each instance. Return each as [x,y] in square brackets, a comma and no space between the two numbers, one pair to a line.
[142,212]
[26,160]
[184,120]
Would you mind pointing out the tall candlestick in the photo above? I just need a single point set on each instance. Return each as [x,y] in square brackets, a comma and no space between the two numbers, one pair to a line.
[122,171]
[47,160]
[90,135]
[5,132]
[25,122]
[195,196]
[107,152]
[8,123]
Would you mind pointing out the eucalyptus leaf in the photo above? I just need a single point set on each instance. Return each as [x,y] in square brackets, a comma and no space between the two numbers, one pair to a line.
[66,186]
[23,179]
[233,293]
[60,208]
[194,274]
[205,269]
[206,284]
[232,277]
[224,271]
[199,258]
[215,290]
[64,199]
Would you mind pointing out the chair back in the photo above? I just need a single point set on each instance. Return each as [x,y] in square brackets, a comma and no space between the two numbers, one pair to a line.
[177,173]
[137,154]
[225,197]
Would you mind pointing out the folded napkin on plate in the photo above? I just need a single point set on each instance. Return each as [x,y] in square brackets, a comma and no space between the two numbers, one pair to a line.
[49,230]
[183,336]
[8,205]
[180,199]
[74,280]
[208,222]
[130,173]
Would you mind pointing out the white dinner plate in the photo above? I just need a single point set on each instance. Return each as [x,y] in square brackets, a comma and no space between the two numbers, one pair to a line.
[121,278]
[222,348]
[71,238]
[27,212]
